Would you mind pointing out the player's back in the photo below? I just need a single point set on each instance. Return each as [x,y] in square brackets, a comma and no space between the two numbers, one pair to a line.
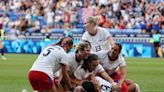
[49,60]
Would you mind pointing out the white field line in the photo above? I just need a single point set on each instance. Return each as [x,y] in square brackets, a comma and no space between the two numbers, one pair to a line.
[153,90]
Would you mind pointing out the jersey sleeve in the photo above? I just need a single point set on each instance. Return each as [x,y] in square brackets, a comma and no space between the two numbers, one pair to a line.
[101,54]
[84,36]
[71,63]
[106,33]
[64,59]
[79,73]
[122,61]
[99,69]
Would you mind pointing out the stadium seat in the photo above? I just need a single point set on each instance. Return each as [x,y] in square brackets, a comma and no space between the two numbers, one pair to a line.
[80,25]
[77,31]
[58,31]
[13,16]
[161,31]
[42,20]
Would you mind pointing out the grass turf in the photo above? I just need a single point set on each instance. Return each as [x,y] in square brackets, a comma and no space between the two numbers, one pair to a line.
[147,72]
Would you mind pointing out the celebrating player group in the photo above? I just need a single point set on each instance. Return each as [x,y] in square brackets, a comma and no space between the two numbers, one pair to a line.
[95,65]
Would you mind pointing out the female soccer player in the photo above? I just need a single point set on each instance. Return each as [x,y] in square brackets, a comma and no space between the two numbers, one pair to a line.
[114,64]
[50,60]
[99,37]
[91,68]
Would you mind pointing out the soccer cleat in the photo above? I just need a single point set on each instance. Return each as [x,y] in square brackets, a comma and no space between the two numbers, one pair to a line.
[3,58]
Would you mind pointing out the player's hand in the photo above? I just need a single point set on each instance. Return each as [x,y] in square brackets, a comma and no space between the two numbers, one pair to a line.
[115,88]
[119,87]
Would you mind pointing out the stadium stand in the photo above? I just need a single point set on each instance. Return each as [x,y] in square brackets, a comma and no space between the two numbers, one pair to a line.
[130,21]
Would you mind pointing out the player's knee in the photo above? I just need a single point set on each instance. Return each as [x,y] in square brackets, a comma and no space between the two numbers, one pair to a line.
[129,82]
[124,87]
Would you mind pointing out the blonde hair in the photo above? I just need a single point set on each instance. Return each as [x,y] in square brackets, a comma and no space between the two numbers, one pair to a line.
[93,19]
[82,45]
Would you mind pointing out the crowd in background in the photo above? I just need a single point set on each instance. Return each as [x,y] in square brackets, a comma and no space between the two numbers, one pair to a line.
[21,16]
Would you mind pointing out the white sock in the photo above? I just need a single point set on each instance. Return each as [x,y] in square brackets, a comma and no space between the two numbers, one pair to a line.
[137,88]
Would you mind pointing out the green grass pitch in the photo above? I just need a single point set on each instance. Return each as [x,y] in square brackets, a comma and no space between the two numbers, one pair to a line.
[147,72]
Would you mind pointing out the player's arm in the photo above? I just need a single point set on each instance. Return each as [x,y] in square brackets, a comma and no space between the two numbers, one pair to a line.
[100,71]
[123,75]
[66,77]
[105,76]
[74,80]
[109,37]
[110,40]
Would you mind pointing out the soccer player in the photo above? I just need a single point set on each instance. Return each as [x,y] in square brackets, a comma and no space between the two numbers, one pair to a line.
[1,42]
[87,86]
[99,37]
[82,51]
[91,86]
[50,60]
[115,65]
[91,68]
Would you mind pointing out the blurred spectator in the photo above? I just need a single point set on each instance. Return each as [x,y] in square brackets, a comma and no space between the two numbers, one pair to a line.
[73,19]
[58,20]
[4,19]
[50,18]
[35,26]
[137,14]
[107,23]
[44,29]
[66,16]
[121,25]
[24,25]
[13,33]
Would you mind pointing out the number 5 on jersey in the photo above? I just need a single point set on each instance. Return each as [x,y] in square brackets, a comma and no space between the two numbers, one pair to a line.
[47,52]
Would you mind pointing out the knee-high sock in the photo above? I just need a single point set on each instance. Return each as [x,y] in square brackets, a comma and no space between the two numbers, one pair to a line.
[137,88]
[2,51]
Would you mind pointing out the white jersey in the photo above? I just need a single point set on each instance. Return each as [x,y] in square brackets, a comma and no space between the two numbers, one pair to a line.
[108,65]
[105,85]
[81,74]
[99,41]
[50,59]
[50,16]
[72,63]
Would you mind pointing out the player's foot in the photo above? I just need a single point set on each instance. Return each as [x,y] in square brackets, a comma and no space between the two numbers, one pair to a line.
[3,58]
